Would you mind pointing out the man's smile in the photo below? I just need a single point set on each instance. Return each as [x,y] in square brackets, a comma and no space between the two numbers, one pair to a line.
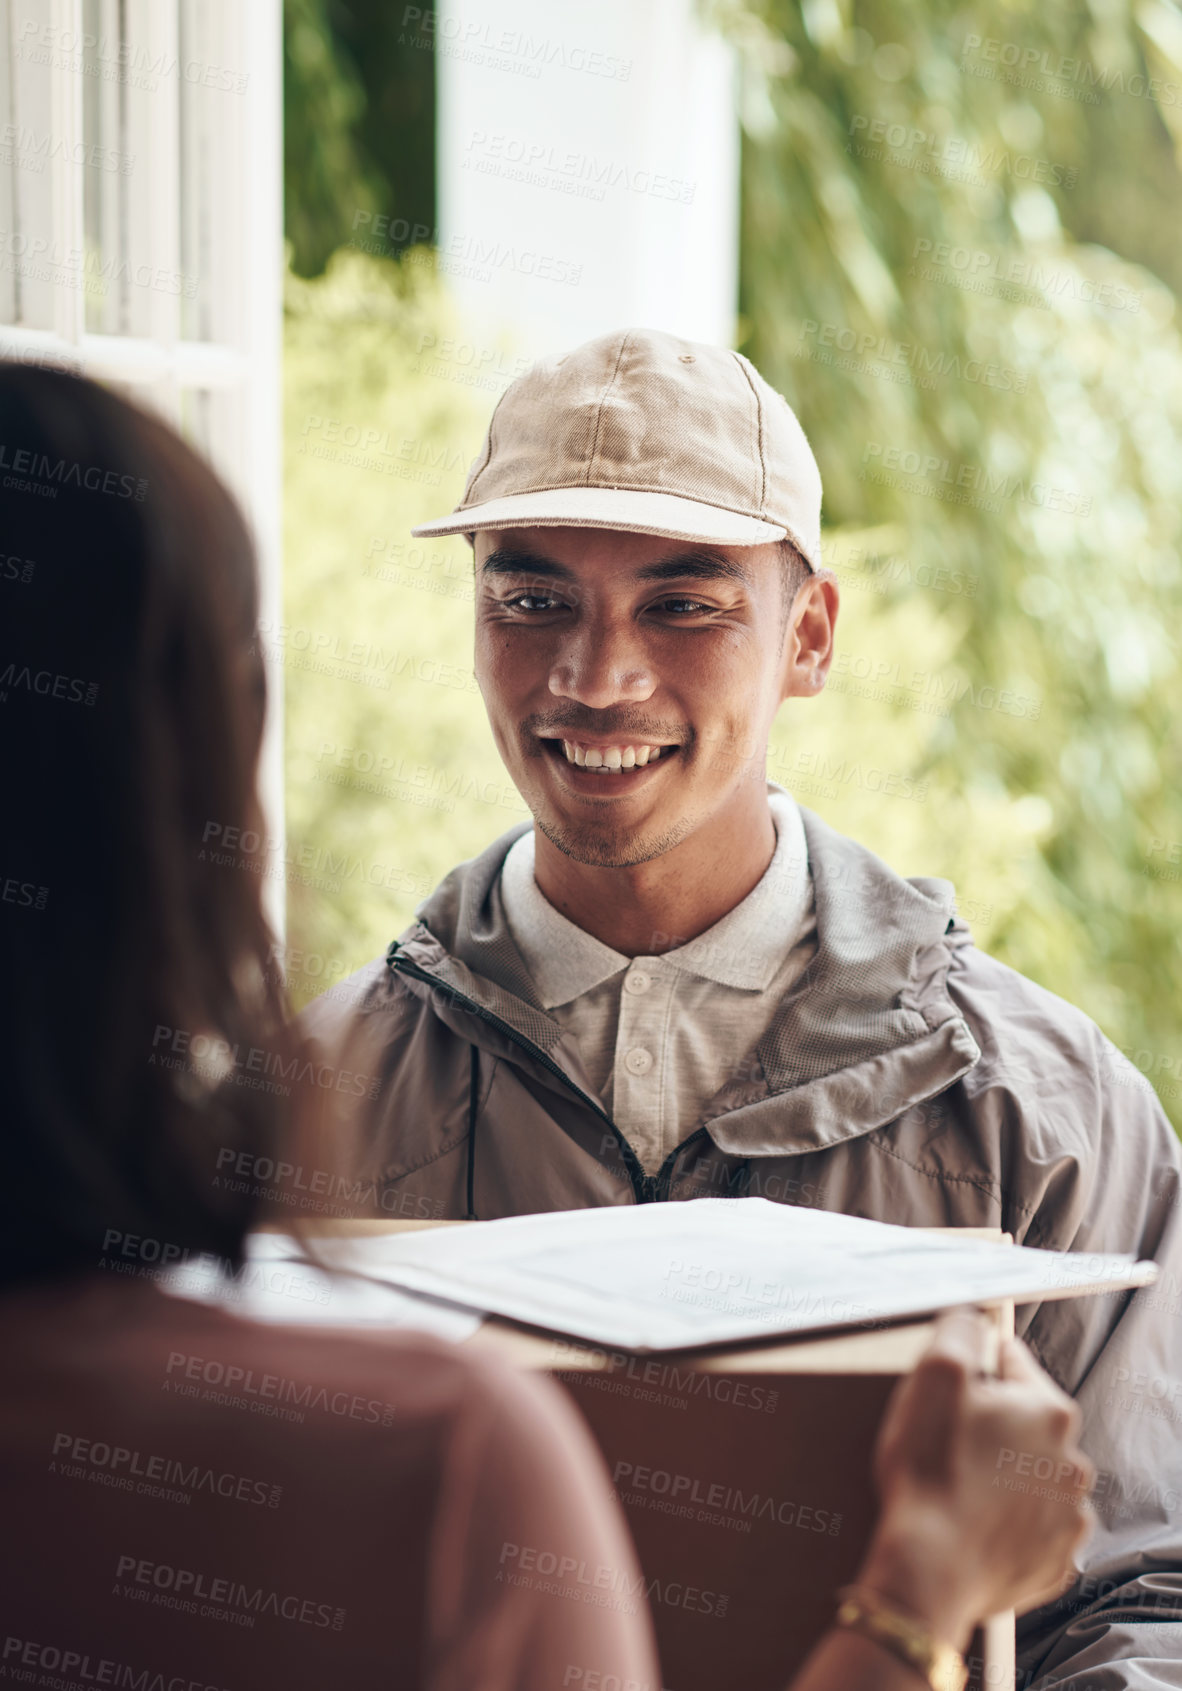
[594,765]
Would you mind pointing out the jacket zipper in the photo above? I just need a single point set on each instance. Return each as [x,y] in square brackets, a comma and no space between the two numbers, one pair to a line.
[646,1188]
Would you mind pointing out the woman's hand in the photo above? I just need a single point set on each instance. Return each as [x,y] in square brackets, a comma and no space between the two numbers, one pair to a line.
[982,1483]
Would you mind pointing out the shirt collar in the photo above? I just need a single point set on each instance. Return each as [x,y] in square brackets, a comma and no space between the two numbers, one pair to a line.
[742,950]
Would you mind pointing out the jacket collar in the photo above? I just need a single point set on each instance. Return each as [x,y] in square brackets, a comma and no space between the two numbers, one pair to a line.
[867,1032]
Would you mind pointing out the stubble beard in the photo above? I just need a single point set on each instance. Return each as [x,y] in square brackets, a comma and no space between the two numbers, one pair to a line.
[607,847]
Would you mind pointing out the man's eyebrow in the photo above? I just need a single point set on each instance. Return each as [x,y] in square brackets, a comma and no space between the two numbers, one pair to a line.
[506,560]
[699,566]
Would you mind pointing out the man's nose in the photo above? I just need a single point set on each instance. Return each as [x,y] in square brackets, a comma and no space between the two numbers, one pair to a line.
[601,664]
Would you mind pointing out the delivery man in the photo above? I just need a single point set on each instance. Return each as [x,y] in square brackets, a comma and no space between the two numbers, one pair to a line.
[678,984]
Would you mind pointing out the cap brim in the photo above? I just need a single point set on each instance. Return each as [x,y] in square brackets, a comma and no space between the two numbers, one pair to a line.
[611,507]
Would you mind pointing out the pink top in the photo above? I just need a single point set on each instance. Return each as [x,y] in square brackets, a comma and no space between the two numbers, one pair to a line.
[227,1505]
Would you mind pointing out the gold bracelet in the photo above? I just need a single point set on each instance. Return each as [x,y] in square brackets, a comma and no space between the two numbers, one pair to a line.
[864,1611]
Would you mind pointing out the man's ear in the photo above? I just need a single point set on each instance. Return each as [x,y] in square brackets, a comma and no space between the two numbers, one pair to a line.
[808,646]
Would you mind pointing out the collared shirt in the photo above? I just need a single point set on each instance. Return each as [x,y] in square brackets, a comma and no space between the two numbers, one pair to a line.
[662,1037]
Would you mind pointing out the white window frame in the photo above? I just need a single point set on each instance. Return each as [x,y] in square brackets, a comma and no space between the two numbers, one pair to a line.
[241,49]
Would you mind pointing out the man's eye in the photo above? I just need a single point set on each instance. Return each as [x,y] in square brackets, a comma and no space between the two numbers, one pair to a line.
[532,602]
[681,607]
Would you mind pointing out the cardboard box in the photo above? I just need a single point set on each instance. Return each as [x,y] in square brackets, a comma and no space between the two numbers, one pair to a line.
[746,1480]
[745,1476]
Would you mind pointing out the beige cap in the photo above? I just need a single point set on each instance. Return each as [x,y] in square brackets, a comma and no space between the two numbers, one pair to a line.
[642,431]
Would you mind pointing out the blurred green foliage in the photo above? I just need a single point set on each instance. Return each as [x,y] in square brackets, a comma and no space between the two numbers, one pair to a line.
[923,187]
[358,124]
[1004,706]
[392,771]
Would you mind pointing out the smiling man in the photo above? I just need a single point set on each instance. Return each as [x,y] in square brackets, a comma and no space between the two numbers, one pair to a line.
[678,984]
[631,683]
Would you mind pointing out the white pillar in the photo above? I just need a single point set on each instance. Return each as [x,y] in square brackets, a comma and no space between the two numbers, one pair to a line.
[588,165]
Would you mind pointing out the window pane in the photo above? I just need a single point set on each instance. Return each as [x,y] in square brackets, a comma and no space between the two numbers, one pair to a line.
[104,199]
[29,146]
[212,88]
[195,418]
[9,271]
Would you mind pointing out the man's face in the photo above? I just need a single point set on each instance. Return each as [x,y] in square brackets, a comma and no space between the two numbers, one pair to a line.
[631,681]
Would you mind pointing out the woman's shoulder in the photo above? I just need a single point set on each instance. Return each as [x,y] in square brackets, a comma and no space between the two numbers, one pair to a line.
[131,1350]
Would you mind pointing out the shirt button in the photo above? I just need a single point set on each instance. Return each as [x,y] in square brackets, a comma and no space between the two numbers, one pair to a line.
[638,1060]
[638,981]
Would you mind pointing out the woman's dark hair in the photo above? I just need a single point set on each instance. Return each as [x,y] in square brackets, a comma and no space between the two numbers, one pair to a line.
[137,964]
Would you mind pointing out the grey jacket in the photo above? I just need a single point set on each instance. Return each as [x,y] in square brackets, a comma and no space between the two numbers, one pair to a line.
[909,1078]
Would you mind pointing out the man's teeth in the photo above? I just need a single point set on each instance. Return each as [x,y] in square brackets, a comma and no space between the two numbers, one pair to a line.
[611,759]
